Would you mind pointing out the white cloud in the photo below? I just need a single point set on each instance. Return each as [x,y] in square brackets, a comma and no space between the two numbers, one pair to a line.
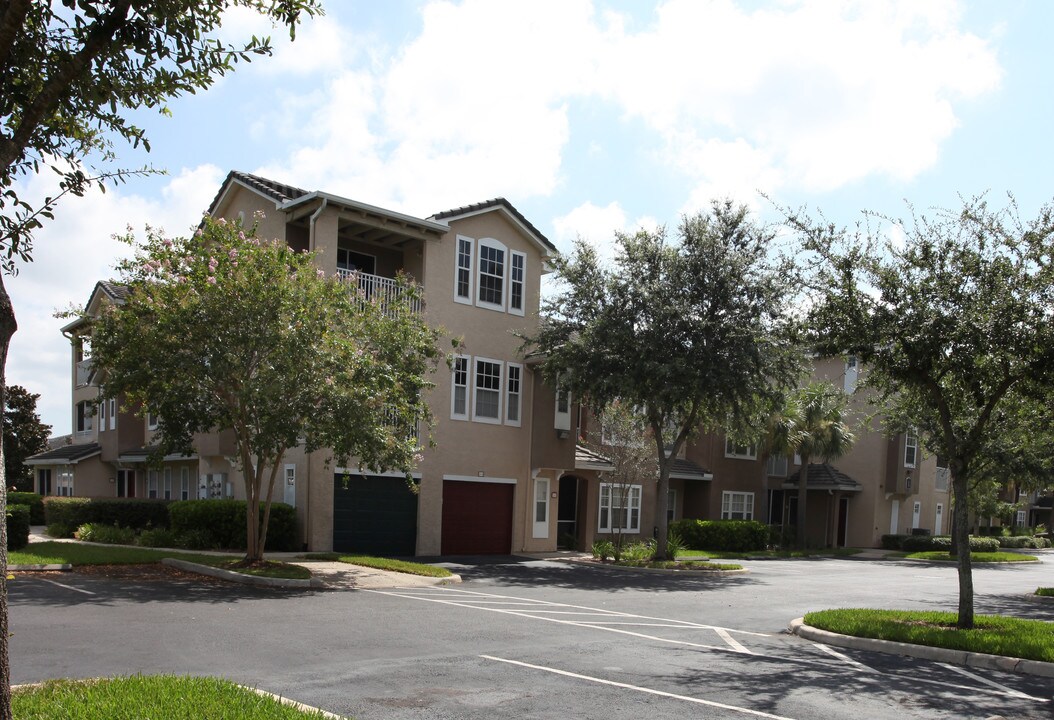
[597,226]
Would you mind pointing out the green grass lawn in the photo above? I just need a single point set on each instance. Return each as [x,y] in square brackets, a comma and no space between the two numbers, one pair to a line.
[759,554]
[157,697]
[55,553]
[992,634]
[1045,592]
[679,565]
[977,557]
[380,563]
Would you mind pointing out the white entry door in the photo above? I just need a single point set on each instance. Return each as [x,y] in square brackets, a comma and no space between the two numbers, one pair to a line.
[938,522]
[894,517]
[916,515]
[541,508]
[290,485]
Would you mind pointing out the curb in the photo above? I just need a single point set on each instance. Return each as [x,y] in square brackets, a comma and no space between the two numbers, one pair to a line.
[668,571]
[924,652]
[62,566]
[241,577]
[294,704]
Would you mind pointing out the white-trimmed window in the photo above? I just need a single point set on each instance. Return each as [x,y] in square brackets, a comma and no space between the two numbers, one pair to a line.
[513,394]
[85,411]
[517,286]
[151,483]
[463,270]
[851,374]
[459,388]
[777,466]
[911,448]
[151,421]
[490,274]
[184,483]
[64,483]
[541,508]
[1021,518]
[486,403]
[563,409]
[737,505]
[113,413]
[745,452]
[102,415]
[167,492]
[619,508]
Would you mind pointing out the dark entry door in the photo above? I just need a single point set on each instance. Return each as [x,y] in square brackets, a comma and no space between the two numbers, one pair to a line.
[843,521]
[375,515]
[567,513]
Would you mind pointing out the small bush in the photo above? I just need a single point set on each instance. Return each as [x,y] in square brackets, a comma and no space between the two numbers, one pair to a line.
[109,534]
[224,520]
[781,537]
[135,513]
[33,500]
[603,549]
[639,551]
[1024,541]
[17,526]
[893,542]
[943,543]
[723,535]
[157,538]
[60,530]
[197,539]
[674,545]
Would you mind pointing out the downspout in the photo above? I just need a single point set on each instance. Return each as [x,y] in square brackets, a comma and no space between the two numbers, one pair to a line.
[307,500]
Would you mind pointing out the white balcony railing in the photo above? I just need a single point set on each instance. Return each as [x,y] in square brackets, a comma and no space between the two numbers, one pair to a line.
[386,292]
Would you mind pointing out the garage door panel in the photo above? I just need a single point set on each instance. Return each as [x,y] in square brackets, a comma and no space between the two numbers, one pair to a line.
[477,518]
[374,514]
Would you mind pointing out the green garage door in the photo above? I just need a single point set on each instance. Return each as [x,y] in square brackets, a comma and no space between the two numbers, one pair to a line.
[375,515]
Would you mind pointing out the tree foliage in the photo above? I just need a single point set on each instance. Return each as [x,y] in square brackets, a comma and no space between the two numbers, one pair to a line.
[24,435]
[952,319]
[692,332]
[225,330]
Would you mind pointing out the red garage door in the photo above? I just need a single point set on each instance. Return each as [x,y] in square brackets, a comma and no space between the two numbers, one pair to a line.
[477,518]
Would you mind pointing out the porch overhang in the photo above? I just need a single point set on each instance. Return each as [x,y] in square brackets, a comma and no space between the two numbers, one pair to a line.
[65,454]
[586,459]
[687,470]
[823,476]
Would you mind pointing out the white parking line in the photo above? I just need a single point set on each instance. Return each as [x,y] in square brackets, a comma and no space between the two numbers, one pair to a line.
[637,688]
[844,658]
[990,683]
[68,587]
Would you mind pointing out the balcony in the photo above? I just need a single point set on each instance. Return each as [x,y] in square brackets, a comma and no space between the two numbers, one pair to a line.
[84,372]
[385,292]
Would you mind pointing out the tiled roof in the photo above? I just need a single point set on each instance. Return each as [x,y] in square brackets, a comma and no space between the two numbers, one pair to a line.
[586,459]
[114,290]
[487,205]
[688,470]
[65,454]
[823,476]
[278,192]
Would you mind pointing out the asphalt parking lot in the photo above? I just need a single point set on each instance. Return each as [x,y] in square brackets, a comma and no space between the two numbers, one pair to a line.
[536,639]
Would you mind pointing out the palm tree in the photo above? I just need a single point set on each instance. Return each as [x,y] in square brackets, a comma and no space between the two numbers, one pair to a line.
[810,425]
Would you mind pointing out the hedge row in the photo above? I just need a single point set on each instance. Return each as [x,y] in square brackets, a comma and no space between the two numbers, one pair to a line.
[17,526]
[135,513]
[723,535]
[31,499]
[1024,541]
[927,543]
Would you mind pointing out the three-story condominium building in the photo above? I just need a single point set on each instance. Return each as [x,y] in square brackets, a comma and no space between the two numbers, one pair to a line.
[503,438]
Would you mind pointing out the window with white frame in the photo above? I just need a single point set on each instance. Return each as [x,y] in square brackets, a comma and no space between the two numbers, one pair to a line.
[151,421]
[64,483]
[463,271]
[184,483]
[777,466]
[84,416]
[851,374]
[490,274]
[562,420]
[911,448]
[113,413]
[746,452]
[102,415]
[619,508]
[486,406]
[513,393]
[151,484]
[737,505]
[167,491]
[517,273]
[1021,518]
[459,389]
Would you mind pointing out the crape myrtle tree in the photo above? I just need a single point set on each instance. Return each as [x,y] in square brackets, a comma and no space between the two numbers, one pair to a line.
[693,332]
[71,72]
[810,424]
[24,435]
[624,439]
[225,330]
[953,319]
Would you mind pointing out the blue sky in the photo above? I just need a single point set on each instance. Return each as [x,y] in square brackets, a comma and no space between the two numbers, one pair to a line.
[590,117]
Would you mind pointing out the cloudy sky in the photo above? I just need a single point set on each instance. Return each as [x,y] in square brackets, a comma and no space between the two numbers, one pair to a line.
[588,116]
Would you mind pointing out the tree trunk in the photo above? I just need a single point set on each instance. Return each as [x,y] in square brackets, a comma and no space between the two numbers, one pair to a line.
[7,329]
[803,489]
[663,492]
[961,537]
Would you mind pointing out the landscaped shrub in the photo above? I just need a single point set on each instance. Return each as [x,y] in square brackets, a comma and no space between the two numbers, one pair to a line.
[135,513]
[674,545]
[722,535]
[944,543]
[109,534]
[603,549]
[639,551]
[1023,541]
[224,521]
[893,542]
[60,530]
[157,538]
[17,526]
[33,500]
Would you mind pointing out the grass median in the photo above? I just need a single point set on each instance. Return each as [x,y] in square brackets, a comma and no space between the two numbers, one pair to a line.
[992,634]
[149,697]
[383,563]
[975,557]
[57,553]
[769,554]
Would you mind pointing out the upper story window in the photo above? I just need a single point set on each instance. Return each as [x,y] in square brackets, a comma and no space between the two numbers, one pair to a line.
[490,276]
[745,452]
[463,271]
[513,393]
[486,405]
[517,271]
[85,411]
[777,466]
[151,421]
[911,448]
[851,373]
[113,413]
[562,421]
[459,389]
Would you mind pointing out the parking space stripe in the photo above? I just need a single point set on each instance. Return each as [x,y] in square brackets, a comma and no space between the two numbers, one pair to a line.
[637,688]
[844,658]
[68,587]
[990,683]
[734,644]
